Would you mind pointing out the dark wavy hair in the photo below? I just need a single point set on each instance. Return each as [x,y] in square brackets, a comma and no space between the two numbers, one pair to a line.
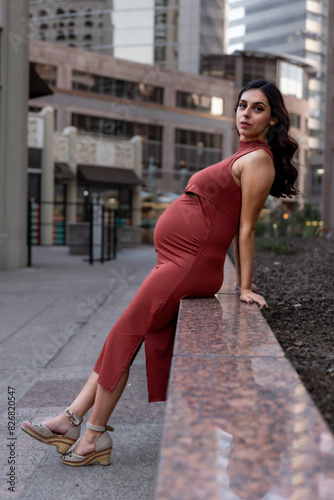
[282,145]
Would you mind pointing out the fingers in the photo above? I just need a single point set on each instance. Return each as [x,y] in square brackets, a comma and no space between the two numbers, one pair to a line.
[251,298]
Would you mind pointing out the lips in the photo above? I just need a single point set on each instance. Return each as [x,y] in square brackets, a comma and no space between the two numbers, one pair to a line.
[244,124]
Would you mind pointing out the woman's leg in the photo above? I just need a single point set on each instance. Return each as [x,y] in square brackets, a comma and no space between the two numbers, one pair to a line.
[82,403]
[104,404]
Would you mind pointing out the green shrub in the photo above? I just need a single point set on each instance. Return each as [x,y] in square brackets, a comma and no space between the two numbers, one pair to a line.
[278,246]
[261,228]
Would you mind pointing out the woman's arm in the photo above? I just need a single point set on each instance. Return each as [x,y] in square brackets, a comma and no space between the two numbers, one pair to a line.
[257,174]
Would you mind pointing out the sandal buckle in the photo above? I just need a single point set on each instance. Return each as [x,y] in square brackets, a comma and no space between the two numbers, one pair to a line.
[74,418]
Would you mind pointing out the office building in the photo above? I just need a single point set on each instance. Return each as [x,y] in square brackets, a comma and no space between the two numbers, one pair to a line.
[85,24]
[175,34]
[298,28]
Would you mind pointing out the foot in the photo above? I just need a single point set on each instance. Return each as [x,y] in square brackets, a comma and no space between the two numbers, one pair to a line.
[60,424]
[87,442]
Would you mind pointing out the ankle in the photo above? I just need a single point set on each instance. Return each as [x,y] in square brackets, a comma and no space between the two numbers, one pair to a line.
[92,436]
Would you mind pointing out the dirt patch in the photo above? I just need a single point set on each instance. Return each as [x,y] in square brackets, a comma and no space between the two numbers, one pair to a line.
[299,289]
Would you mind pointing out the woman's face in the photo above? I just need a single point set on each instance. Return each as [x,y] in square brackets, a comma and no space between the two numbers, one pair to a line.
[253,116]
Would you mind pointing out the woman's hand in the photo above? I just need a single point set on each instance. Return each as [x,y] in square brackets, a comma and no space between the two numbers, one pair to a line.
[250,297]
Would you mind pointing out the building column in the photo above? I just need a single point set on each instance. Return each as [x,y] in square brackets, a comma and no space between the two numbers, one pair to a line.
[136,191]
[47,178]
[71,189]
[14,94]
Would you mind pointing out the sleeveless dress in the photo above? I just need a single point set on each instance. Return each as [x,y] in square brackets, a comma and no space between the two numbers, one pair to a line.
[191,239]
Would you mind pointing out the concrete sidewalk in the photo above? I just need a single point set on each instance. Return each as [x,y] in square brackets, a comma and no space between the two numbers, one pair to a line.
[55,317]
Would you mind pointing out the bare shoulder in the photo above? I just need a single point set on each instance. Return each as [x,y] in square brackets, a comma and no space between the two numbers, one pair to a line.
[260,156]
[256,164]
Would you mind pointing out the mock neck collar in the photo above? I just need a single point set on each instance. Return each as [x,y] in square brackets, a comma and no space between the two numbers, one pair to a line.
[248,144]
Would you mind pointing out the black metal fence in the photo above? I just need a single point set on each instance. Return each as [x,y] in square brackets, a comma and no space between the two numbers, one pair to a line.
[92,235]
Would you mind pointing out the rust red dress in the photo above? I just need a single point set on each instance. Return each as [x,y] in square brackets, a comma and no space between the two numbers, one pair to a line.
[191,239]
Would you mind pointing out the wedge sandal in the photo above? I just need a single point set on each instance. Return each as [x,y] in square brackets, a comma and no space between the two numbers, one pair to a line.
[63,442]
[101,453]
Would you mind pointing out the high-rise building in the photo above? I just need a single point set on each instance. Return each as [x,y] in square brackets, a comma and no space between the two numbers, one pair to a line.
[297,28]
[85,24]
[175,34]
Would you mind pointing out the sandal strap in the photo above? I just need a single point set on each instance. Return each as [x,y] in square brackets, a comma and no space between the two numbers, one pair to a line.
[99,428]
[73,417]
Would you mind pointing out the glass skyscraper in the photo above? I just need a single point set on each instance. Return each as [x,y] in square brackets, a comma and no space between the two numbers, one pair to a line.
[298,28]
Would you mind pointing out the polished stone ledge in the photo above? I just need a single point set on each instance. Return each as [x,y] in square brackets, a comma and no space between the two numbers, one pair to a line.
[239,423]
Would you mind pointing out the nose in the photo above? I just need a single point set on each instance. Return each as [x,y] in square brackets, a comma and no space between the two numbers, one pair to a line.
[245,112]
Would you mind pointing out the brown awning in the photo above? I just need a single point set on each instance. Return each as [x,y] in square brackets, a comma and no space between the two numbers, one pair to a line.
[63,172]
[37,86]
[108,175]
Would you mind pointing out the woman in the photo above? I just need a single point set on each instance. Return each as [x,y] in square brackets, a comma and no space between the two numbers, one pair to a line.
[220,203]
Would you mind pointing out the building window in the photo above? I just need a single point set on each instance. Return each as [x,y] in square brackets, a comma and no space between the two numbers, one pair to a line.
[256,68]
[48,73]
[60,35]
[35,158]
[317,174]
[196,150]
[295,120]
[34,188]
[316,133]
[291,79]
[217,67]
[199,102]
[138,91]
[151,134]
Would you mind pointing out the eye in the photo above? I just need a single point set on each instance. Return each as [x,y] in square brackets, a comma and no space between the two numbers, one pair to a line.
[258,108]
[242,105]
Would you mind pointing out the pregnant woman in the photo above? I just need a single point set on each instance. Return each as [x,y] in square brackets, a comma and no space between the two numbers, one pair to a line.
[221,203]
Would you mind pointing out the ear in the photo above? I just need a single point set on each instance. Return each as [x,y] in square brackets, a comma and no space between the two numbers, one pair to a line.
[274,120]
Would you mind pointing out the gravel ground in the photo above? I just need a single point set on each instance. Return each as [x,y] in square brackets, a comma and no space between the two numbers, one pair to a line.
[299,289]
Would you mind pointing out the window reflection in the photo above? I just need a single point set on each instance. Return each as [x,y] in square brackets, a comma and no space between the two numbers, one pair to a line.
[291,79]
[199,102]
[48,73]
[138,91]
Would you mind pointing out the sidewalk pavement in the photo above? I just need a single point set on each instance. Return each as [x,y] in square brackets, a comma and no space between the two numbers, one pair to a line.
[55,317]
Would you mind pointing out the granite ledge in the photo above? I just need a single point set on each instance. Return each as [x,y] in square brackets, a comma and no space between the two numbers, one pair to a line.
[239,423]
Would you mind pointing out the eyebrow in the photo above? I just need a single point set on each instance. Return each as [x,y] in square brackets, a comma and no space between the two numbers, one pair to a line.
[258,102]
